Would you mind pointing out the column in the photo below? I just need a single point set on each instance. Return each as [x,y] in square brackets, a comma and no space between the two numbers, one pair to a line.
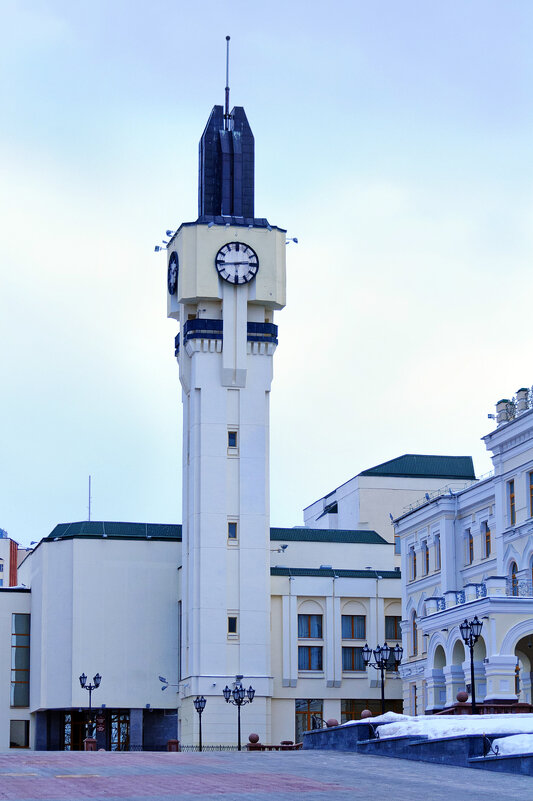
[455,680]
[500,673]
[436,689]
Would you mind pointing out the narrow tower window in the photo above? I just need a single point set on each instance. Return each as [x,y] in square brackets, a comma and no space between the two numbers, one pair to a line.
[512,508]
[437,551]
[232,530]
[232,439]
[487,539]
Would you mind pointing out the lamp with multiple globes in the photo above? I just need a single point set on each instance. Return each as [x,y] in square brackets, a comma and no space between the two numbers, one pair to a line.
[90,687]
[382,655]
[470,631]
[238,697]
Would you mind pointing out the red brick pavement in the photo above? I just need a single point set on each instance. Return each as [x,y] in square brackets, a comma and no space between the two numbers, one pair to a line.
[69,777]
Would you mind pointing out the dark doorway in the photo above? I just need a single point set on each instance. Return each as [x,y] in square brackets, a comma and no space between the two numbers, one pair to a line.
[73,730]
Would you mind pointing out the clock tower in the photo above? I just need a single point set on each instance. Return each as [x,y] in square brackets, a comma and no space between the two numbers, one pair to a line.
[226,278]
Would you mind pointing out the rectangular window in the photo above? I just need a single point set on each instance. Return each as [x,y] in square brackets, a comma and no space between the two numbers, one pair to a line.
[232,624]
[353,627]
[309,657]
[232,439]
[393,627]
[397,543]
[531,494]
[469,547]
[425,551]
[310,626]
[487,539]
[1,566]
[308,716]
[352,659]
[412,557]
[1,582]
[437,552]
[232,530]
[20,660]
[19,733]
[512,507]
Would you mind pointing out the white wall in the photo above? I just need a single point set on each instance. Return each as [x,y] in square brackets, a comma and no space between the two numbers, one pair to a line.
[94,611]
[11,601]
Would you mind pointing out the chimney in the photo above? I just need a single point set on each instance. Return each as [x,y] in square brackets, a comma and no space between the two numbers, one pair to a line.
[522,400]
[502,411]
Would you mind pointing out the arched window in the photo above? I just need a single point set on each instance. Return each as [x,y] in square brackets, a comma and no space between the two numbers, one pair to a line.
[513,570]
[414,635]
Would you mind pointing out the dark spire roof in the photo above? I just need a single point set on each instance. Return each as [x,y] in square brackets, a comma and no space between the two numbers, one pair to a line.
[226,170]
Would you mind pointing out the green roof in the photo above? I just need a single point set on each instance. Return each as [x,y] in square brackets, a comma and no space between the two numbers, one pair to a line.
[102,528]
[330,572]
[325,535]
[414,465]
[166,531]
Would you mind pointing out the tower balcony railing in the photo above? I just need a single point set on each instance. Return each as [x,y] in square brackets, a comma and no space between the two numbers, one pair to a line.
[201,328]
[262,332]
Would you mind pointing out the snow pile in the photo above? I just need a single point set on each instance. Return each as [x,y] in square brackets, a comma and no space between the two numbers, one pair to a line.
[515,744]
[435,726]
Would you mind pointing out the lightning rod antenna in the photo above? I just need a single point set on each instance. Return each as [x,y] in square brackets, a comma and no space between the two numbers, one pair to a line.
[226,111]
[89,517]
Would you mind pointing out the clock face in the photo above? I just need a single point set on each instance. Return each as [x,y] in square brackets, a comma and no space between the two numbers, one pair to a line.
[172,273]
[237,263]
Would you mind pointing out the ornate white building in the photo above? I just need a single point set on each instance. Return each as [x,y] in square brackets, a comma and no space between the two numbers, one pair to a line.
[470,553]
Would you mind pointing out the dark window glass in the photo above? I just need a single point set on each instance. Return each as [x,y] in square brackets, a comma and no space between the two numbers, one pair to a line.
[310,626]
[352,659]
[353,627]
[309,657]
[232,625]
[232,439]
[19,733]
[232,531]
[308,711]
[393,629]
[120,731]
[20,660]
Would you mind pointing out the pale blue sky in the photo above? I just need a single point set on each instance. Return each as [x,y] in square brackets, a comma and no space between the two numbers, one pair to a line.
[393,138]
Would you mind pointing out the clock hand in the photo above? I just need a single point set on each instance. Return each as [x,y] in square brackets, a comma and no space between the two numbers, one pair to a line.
[235,263]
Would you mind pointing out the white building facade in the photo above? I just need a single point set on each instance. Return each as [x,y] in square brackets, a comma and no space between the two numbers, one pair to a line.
[470,553]
[102,597]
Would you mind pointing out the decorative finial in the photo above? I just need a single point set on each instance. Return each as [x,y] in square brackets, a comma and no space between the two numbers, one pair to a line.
[226,110]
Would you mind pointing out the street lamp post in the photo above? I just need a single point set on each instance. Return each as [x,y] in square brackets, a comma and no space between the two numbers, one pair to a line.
[90,687]
[381,656]
[239,699]
[470,631]
[199,705]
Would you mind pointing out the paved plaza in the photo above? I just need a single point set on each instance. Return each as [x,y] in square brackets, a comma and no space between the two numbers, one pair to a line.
[309,775]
